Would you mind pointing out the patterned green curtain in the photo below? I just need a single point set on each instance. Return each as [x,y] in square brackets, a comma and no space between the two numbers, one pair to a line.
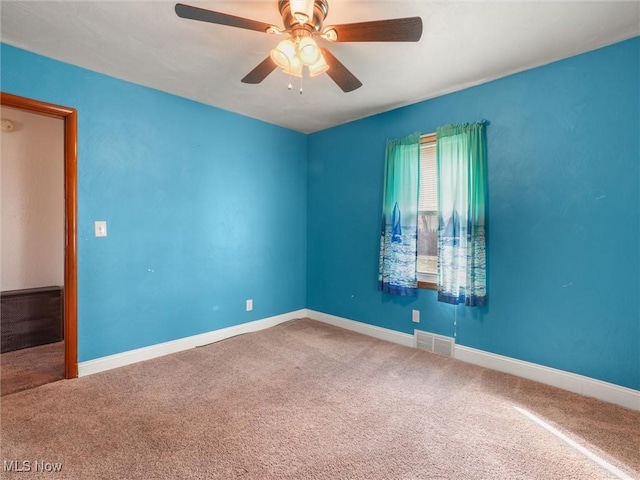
[397,273]
[461,157]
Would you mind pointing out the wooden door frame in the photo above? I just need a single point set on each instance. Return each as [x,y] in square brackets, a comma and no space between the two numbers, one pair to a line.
[70,118]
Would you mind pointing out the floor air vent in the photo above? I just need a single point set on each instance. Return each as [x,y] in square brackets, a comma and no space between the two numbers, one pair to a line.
[434,343]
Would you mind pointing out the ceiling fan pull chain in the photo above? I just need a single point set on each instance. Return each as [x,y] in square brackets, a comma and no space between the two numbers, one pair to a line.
[300,85]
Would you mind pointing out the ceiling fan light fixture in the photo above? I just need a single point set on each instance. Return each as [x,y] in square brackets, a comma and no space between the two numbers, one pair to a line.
[308,51]
[294,68]
[319,67]
[284,53]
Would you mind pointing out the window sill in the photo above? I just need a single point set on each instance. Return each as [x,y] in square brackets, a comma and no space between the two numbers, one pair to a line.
[426,285]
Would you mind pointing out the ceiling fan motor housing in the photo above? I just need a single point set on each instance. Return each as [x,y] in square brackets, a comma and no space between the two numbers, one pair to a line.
[310,24]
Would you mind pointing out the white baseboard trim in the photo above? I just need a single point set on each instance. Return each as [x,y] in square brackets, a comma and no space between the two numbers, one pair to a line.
[147,353]
[589,387]
[364,328]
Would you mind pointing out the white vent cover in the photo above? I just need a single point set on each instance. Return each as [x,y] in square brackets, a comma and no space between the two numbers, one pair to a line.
[434,343]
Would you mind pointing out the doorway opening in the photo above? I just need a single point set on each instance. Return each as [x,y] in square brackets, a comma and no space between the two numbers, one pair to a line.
[68,296]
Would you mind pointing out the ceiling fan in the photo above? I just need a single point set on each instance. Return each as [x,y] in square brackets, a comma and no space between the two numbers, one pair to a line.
[303,22]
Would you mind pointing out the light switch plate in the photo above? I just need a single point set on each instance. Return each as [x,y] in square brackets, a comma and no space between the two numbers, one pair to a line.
[101,228]
[415,316]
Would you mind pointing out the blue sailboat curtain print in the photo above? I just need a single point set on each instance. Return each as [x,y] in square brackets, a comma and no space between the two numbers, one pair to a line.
[397,273]
[461,158]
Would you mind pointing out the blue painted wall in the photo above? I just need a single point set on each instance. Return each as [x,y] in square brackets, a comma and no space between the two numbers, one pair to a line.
[205,209]
[563,224]
[197,200]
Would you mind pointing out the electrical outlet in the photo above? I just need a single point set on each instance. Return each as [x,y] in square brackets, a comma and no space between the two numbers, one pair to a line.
[249,305]
[415,316]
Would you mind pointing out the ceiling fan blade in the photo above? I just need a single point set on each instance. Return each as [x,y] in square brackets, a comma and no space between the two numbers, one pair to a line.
[407,29]
[261,72]
[195,13]
[340,74]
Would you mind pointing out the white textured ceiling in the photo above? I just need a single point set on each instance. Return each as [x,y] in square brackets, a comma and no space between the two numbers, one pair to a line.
[463,44]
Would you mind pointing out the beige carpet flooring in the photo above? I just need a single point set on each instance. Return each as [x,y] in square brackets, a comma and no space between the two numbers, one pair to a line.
[31,367]
[305,400]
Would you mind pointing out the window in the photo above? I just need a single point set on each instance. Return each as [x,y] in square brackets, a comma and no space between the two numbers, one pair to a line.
[428,215]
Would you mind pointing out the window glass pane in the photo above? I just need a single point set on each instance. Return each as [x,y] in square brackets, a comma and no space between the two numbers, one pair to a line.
[428,242]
